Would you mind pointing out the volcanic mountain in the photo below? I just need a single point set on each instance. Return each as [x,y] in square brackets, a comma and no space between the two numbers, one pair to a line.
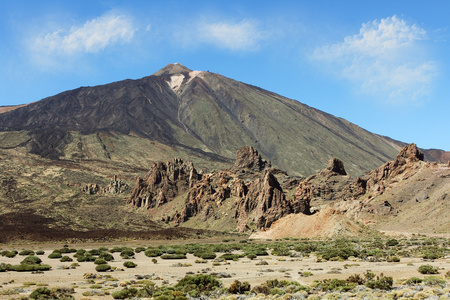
[196,115]
[69,162]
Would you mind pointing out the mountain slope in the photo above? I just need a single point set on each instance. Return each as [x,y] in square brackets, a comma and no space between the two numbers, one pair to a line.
[202,114]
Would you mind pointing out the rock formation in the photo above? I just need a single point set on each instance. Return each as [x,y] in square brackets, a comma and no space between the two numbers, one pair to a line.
[163,182]
[115,186]
[248,158]
[250,184]
[254,196]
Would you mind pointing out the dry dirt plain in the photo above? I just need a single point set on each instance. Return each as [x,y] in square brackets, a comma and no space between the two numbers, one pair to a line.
[166,271]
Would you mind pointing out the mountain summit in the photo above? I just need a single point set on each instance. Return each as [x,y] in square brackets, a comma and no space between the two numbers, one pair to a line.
[193,114]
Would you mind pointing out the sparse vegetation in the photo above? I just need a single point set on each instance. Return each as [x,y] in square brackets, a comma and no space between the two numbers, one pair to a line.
[427,269]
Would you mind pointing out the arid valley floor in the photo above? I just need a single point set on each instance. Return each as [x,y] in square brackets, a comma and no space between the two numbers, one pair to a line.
[285,260]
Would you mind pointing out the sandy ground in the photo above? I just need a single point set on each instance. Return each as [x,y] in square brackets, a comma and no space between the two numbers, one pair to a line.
[165,271]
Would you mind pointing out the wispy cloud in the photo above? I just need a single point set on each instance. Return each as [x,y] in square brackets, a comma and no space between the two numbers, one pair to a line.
[91,37]
[385,59]
[245,35]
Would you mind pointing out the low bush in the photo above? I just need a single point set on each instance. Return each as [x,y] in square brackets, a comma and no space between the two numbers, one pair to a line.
[55,255]
[83,258]
[238,287]
[94,252]
[106,256]
[55,293]
[336,285]
[173,256]
[393,259]
[103,268]
[153,252]
[129,264]
[413,280]
[31,260]
[26,252]
[29,268]
[11,254]
[428,269]
[205,255]
[100,261]
[139,249]
[66,258]
[127,253]
[40,252]
[125,293]
[434,280]
[200,283]
[382,283]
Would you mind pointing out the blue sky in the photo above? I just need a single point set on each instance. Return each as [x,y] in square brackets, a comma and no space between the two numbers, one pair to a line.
[383,65]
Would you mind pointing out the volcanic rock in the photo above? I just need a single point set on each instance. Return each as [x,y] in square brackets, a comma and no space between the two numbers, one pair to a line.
[337,166]
[248,158]
[163,182]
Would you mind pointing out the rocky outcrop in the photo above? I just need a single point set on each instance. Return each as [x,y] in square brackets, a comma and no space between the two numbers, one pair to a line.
[163,182]
[248,158]
[264,203]
[404,162]
[336,166]
[258,197]
[254,196]
[115,186]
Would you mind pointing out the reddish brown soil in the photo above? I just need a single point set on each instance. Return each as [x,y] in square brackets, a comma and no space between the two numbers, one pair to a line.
[27,226]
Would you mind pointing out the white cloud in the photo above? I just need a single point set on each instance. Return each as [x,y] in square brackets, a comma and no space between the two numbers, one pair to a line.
[384,60]
[245,35]
[93,36]
[234,36]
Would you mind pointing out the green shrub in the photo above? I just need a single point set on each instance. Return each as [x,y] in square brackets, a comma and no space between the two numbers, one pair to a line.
[200,283]
[238,287]
[40,252]
[94,252]
[393,259]
[129,264]
[251,256]
[125,293]
[103,268]
[29,268]
[65,258]
[11,254]
[428,269]
[41,293]
[382,283]
[55,293]
[4,267]
[106,256]
[67,250]
[392,242]
[336,285]
[55,255]
[173,256]
[413,280]
[80,252]
[127,253]
[434,280]
[100,261]
[26,252]
[139,249]
[205,255]
[31,260]
[86,258]
[261,289]
[153,252]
